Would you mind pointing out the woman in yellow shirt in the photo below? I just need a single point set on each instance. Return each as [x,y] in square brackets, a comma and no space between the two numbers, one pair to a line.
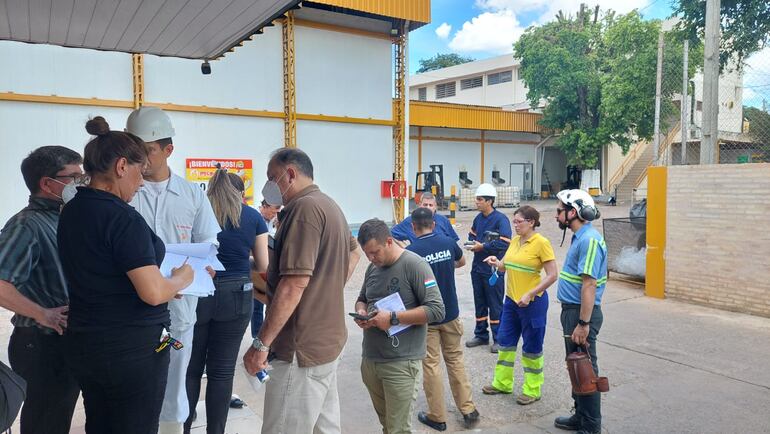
[525,307]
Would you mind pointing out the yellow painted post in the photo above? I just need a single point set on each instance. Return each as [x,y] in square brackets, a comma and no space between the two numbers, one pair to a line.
[289,84]
[137,63]
[453,205]
[482,156]
[655,280]
[433,190]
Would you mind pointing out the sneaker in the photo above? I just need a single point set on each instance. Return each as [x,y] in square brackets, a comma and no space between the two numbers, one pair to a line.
[423,418]
[471,418]
[494,348]
[569,423]
[526,399]
[492,390]
[236,402]
[475,342]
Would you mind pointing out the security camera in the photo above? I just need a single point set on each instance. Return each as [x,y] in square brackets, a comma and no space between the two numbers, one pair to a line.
[206,68]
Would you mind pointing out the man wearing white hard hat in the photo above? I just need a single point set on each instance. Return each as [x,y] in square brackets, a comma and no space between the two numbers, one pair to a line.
[490,235]
[582,281]
[178,212]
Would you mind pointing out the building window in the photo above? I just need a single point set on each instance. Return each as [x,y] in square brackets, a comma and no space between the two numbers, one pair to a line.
[470,83]
[500,77]
[422,94]
[445,90]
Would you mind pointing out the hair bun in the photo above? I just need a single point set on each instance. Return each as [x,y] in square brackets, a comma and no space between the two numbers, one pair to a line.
[97,126]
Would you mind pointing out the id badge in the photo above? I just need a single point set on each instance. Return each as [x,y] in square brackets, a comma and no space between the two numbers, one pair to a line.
[248,286]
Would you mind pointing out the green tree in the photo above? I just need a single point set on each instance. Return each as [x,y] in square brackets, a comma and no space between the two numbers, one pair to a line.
[442,61]
[759,129]
[597,78]
[745,25]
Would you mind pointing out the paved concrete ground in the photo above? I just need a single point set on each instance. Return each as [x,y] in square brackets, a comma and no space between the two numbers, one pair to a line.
[673,367]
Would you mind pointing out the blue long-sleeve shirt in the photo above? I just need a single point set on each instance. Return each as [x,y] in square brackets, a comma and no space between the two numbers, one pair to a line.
[403,231]
[494,222]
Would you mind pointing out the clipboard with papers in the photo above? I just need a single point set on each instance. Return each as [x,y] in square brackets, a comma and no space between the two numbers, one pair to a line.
[198,256]
[393,303]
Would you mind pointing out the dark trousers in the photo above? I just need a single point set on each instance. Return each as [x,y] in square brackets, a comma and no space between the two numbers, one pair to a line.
[122,377]
[257,318]
[222,320]
[52,391]
[587,407]
[488,300]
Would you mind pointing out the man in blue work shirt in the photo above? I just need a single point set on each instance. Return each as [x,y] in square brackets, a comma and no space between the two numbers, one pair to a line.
[403,231]
[443,255]
[582,281]
[490,235]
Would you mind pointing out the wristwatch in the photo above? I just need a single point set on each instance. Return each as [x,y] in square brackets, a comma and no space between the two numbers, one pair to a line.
[259,346]
[394,319]
[583,323]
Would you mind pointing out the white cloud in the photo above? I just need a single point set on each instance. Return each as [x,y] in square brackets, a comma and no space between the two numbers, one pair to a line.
[493,32]
[443,30]
[756,78]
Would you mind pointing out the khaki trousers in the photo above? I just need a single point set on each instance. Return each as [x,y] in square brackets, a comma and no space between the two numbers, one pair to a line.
[446,339]
[393,389]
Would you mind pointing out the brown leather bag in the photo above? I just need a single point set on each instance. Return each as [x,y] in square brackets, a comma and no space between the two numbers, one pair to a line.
[581,375]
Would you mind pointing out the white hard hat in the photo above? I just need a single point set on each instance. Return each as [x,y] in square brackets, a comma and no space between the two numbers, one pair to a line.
[150,124]
[486,190]
[582,202]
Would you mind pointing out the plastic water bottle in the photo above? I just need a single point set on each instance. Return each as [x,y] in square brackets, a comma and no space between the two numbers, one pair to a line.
[257,381]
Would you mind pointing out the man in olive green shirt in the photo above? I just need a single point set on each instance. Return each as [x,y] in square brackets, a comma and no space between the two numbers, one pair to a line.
[391,367]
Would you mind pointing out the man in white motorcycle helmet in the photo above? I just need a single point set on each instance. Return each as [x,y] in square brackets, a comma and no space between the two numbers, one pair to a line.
[178,212]
[582,281]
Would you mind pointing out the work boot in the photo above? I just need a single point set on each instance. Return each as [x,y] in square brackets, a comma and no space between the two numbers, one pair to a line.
[438,426]
[492,390]
[471,419]
[494,348]
[475,342]
[569,423]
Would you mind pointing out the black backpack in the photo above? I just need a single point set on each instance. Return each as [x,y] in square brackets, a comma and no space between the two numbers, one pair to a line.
[13,390]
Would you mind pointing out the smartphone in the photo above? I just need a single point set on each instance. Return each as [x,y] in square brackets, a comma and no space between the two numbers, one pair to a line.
[360,317]
[469,243]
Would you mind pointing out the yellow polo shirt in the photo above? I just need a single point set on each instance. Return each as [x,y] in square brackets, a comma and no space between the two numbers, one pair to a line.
[523,264]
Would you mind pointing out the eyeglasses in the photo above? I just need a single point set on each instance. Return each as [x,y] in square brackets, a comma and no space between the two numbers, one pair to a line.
[76,178]
[560,210]
[518,222]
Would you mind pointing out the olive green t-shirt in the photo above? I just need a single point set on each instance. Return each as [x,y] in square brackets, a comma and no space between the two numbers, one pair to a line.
[413,279]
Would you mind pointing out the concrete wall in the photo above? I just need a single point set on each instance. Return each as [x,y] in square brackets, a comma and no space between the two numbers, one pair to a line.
[337,74]
[717,242]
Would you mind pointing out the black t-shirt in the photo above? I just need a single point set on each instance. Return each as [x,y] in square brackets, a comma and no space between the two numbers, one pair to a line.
[101,238]
[441,252]
[235,244]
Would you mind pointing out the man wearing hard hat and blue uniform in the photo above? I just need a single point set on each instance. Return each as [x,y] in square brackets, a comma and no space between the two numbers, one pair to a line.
[178,211]
[490,234]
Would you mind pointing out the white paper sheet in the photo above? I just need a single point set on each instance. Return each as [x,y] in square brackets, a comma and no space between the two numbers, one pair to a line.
[198,256]
[393,303]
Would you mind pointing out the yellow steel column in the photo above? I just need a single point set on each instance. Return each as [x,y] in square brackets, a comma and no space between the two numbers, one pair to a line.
[655,279]
[137,61]
[482,155]
[419,149]
[399,45]
[289,94]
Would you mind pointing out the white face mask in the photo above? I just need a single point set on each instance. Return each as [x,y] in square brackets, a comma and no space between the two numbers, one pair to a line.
[271,192]
[69,191]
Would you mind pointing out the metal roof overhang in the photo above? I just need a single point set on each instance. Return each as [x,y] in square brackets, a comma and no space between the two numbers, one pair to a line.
[192,29]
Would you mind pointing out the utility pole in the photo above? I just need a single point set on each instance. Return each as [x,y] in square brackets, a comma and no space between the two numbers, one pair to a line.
[709,142]
[658,91]
[685,102]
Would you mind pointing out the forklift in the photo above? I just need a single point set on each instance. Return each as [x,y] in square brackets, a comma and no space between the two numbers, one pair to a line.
[426,181]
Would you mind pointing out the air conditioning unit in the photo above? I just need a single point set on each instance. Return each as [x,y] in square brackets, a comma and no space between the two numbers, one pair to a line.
[695,133]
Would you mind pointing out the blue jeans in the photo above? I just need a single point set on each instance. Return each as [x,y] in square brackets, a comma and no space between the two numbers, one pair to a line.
[257,318]
[489,304]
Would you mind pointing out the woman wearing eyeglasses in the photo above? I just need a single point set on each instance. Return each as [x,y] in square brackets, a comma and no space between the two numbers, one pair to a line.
[525,307]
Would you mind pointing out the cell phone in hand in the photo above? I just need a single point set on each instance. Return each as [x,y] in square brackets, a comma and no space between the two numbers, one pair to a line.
[360,317]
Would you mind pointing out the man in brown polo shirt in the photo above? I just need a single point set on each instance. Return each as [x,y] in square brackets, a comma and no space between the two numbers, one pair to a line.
[312,258]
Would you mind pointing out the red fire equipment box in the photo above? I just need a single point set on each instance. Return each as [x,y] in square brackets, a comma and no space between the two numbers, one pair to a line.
[395,189]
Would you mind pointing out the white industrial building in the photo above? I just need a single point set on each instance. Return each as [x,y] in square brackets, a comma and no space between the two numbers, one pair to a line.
[324,81]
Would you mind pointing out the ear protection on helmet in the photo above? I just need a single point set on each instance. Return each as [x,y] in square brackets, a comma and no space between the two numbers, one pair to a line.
[586,212]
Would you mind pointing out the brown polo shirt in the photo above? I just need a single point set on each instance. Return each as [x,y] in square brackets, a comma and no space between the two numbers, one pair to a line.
[313,239]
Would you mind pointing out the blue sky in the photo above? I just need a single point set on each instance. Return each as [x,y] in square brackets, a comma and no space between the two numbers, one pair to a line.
[488,28]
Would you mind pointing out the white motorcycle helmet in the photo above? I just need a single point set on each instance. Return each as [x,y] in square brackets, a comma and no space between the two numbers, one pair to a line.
[582,202]
[150,124]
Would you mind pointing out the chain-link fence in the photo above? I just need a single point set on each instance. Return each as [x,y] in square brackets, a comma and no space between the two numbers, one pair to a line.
[743,119]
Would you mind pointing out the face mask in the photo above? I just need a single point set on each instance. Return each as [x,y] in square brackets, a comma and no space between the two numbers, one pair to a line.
[68,192]
[271,192]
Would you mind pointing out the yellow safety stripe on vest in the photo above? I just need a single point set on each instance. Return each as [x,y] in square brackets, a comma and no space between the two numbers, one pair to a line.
[570,277]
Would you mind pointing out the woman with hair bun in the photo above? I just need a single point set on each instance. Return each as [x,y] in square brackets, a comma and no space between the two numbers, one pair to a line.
[525,308]
[118,296]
